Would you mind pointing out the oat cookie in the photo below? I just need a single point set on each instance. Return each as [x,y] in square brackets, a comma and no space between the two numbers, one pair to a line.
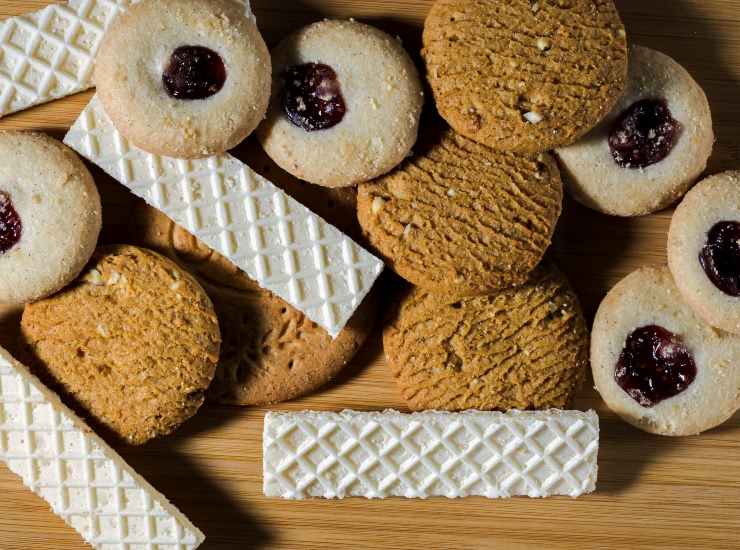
[271,352]
[133,343]
[519,348]
[461,217]
[184,78]
[50,216]
[650,149]
[524,75]
[657,364]
[704,250]
[345,106]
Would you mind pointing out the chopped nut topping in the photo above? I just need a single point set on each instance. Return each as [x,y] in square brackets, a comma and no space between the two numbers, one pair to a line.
[377,205]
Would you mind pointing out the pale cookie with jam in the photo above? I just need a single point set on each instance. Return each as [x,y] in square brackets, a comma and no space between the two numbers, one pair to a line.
[657,364]
[650,149]
[704,250]
[346,104]
[184,78]
[50,216]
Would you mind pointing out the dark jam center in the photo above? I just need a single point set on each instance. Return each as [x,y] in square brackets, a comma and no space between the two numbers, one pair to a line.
[654,365]
[720,257]
[194,72]
[10,224]
[312,97]
[644,134]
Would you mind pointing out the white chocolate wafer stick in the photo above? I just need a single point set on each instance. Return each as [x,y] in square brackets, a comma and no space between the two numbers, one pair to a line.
[50,53]
[428,454]
[277,241]
[86,483]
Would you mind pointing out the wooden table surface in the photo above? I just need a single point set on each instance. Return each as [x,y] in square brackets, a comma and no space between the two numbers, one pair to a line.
[652,491]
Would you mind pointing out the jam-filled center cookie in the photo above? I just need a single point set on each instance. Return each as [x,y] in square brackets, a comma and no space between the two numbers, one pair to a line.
[644,134]
[10,224]
[654,365]
[720,257]
[194,72]
[312,97]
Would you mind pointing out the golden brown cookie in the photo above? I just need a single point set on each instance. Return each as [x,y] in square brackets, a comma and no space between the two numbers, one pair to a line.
[271,352]
[461,217]
[134,342]
[520,348]
[525,75]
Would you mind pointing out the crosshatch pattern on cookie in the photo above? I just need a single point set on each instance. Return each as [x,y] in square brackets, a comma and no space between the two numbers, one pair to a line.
[278,242]
[50,53]
[84,481]
[376,455]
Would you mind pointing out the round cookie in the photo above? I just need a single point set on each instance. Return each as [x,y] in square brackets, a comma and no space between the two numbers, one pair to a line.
[525,76]
[650,149]
[50,216]
[520,348]
[134,342]
[461,217]
[657,364]
[271,352]
[184,78]
[346,104]
[704,250]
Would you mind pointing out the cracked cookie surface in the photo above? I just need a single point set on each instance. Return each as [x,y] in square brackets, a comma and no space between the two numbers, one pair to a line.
[133,343]
[520,348]
[461,217]
[524,75]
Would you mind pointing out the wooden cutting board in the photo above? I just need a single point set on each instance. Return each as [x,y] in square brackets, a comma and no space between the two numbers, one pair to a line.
[652,492]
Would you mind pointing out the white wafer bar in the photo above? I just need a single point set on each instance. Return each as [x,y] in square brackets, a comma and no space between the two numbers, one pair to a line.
[50,53]
[278,242]
[428,454]
[86,483]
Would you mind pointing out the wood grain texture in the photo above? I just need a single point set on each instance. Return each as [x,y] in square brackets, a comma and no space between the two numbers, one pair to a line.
[653,492]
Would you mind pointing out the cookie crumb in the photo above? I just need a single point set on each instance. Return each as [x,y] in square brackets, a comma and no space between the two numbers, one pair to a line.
[377,206]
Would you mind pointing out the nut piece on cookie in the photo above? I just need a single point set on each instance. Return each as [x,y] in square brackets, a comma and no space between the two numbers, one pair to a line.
[461,217]
[520,348]
[522,79]
[184,78]
[657,364]
[133,343]
[704,250]
[650,149]
[50,216]
[346,104]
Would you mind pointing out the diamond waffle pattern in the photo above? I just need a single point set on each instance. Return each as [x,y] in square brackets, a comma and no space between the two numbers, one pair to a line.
[277,241]
[50,54]
[82,478]
[377,455]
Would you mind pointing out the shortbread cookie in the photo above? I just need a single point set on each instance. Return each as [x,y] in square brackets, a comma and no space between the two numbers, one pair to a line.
[525,76]
[461,217]
[650,149]
[50,216]
[704,250]
[657,364]
[133,343]
[184,78]
[520,348]
[346,104]
[271,352]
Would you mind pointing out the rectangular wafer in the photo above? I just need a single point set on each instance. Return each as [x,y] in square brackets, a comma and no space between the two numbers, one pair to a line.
[50,53]
[84,481]
[429,454]
[277,241]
